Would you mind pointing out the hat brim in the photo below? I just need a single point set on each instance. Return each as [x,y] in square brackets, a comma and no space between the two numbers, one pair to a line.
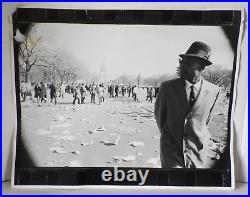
[207,62]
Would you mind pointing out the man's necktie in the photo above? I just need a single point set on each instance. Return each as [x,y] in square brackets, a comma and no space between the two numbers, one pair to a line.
[191,96]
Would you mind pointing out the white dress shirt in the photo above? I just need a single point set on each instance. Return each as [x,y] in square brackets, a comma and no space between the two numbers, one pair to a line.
[197,88]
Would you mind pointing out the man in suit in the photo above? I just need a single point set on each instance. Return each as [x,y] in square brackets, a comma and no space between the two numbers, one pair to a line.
[183,109]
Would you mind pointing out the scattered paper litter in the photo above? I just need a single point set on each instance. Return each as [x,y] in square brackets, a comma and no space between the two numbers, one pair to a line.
[109,142]
[122,121]
[155,137]
[67,138]
[135,144]
[138,131]
[76,152]
[85,120]
[43,132]
[101,128]
[75,163]
[58,150]
[128,158]
[139,153]
[136,118]
[98,129]
[154,161]
[87,143]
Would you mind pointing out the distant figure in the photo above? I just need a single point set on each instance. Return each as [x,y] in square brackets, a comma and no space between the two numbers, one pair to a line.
[100,92]
[92,93]
[132,89]
[83,92]
[37,90]
[52,92]
[43,92]
[23,91]
[123,89]
[129,89]
[76,95]
[228,94]
[116,91]
[156,91]
[135,94]
[72,88]
[147,95]
[150,95]
[63,89]
[112,90]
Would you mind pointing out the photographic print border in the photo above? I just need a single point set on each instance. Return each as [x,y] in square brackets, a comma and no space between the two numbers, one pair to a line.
[72,176]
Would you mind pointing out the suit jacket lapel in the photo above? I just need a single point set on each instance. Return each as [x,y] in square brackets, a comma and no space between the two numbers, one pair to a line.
[181,94]
[202,95]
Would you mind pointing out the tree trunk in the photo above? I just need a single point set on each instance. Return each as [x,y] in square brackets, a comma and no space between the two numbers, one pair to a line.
[26,76]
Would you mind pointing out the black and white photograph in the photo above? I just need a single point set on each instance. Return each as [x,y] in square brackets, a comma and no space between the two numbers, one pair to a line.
[136,96]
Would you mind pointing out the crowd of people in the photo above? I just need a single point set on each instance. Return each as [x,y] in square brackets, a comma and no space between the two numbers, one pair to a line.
[80,91]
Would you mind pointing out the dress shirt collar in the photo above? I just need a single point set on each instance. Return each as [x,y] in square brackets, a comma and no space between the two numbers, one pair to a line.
[196,86]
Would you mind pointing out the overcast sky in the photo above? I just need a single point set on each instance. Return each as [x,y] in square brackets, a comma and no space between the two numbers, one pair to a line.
[133,49]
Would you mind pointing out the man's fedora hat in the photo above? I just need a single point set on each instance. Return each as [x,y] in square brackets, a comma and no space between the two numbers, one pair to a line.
[199,50]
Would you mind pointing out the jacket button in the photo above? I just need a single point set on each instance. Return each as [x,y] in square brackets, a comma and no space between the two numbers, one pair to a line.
[185,150]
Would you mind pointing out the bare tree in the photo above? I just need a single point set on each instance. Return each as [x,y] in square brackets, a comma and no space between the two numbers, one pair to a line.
[157,80]
[66,72]
[44,74]
[63,67]
[31,53]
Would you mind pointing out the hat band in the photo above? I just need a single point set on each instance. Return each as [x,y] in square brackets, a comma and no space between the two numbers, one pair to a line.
[200,53]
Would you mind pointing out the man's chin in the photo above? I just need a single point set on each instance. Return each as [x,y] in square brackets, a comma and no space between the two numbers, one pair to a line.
[193,80]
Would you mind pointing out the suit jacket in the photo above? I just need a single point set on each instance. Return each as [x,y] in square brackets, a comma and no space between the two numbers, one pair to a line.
[184,133]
